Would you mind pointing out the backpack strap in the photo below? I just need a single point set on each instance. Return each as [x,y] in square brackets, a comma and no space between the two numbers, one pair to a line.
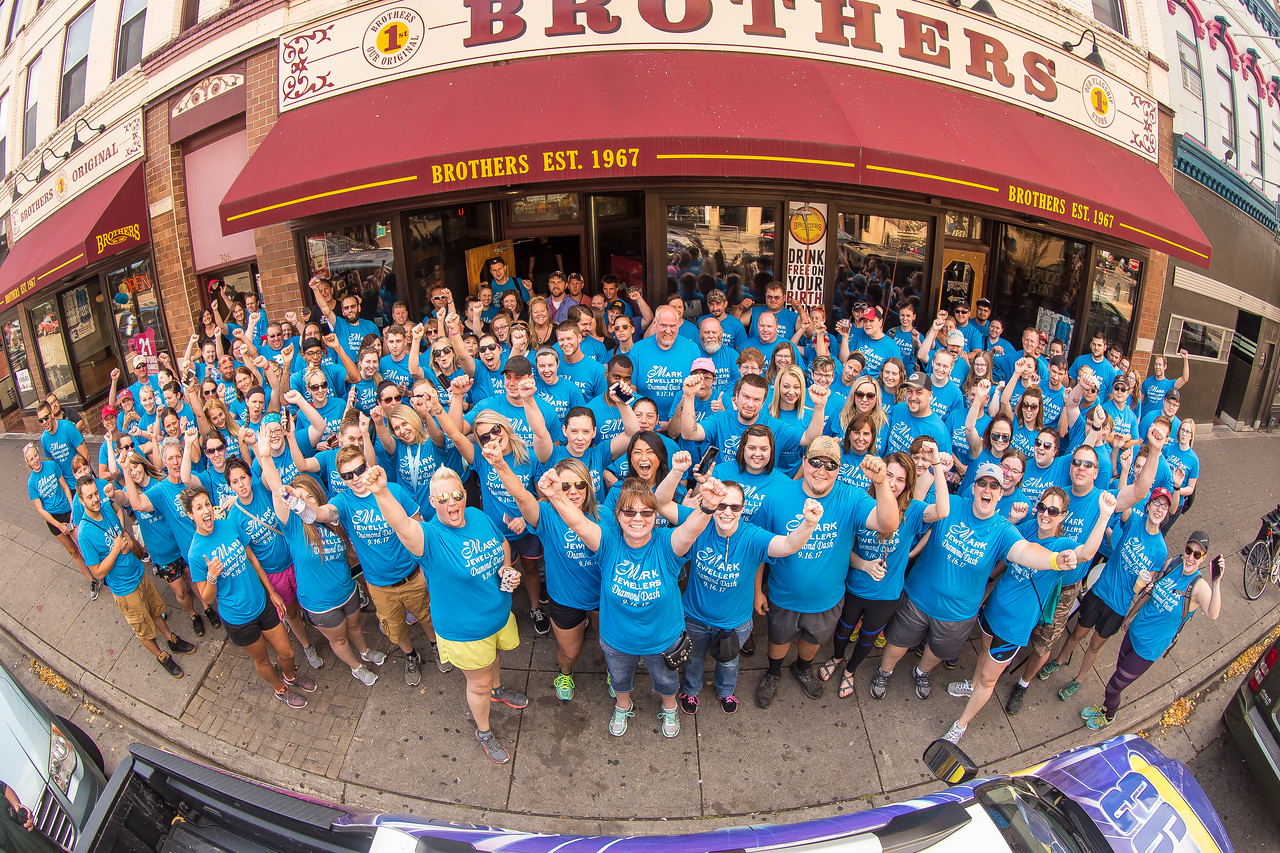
[1187,612]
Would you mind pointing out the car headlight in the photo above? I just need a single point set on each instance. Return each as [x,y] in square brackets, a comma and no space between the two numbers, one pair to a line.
[62,758]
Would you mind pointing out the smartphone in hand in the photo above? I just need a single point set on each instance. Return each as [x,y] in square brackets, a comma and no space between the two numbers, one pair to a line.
[1217,567]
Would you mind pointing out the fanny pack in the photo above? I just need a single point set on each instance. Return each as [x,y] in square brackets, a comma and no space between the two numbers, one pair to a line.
[724,645]
[675,656]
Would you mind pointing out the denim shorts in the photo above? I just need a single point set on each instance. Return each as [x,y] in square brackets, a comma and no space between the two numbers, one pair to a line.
[622,670]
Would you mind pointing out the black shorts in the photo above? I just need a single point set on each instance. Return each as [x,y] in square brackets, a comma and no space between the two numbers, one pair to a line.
[64,517]
[1002,650]
[171,571]
[1096,614]
[564,617]
[250,632]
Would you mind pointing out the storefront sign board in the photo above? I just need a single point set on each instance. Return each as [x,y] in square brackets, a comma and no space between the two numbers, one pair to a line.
[807,251]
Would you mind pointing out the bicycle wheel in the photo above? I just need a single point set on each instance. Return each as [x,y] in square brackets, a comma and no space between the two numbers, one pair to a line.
[1257,570]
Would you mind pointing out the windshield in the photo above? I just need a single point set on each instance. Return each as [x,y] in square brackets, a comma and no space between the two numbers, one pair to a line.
[1029,823]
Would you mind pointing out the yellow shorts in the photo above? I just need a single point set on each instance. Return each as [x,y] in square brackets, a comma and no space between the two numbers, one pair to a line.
[479,654]
[141,609]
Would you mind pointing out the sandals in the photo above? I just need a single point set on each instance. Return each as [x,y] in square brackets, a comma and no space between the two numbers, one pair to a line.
[846,685]
[828,669]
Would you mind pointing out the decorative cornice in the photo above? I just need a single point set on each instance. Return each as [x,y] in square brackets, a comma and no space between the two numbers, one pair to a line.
[1196,162]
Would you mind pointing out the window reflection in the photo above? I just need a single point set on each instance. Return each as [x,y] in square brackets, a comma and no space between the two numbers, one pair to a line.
[16,348]
[1115,290]
[878,252]
[1039,280]
[46,322]
[726,246]
[358,260]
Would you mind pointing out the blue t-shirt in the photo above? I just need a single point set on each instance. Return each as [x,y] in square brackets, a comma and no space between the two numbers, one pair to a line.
[724,430]
[572,570]
[1185,460]
[1103,369]
[785,316]
[385,561]
[851,473]
[324,580]
[596,459]
[946,400]
[241,597]
[722,576]
[329,477]
[486,382]
[812,579]
[158,536]
[562,396]
[1137,551]
[45,486]
[950,576]
[608,421]
[758,491]
[519,421]
[366,395]
[904,428]
[906,345]
[60,445]
[660,373]
[461,565]
[166,496]
[895,550]
[586,374]
[215,483]
[261,526]
[1153,393]
[351,334]
[1037,479]
[734,334]
[1051,403]
[877,352]
[640,608]
[1013,609]
[95,539]
[397,371]
[494,497]
[1124,420]
[725,360]
[1157,623]
[413,466]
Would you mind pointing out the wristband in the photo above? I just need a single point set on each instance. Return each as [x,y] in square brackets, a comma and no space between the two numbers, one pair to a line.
[703,508]
[1053,561]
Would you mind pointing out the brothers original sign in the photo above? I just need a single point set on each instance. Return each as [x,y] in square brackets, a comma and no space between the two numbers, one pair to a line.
[100,158]
[955,47]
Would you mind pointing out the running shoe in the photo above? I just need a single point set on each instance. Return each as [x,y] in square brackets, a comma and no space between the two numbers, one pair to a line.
[493,750]
[954,733]
[170,665]
[312,656]
[211,614]
[1067,692]
[1091,711]
[1048,669]
[564,686]
[1014,705]
[669,722]
[811,686]
[880,640]
[375,658]
[364,675]
[923,685]
[960,689]
[688,704]
[767,690]
[952,663]
[729,704]
[305,683]
[1099,721]
[293,700]
[541,624]
[608,682]
[412,669]
[880,683]
[507,696]
[93,589]
[441,664]
[618,724]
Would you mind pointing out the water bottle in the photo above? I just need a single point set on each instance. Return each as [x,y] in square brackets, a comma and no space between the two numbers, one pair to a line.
[301,509]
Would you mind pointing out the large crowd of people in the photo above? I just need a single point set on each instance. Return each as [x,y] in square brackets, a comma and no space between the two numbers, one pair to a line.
[662,473]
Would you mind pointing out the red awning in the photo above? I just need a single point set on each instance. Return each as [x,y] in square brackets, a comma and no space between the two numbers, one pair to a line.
[108,218]
[700,114]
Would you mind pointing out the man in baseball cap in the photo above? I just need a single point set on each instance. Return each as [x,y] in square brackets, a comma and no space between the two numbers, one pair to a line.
[520,403]
[914,417]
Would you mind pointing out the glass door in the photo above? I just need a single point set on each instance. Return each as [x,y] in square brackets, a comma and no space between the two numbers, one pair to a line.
[85,319]
[15,347]
[46,320]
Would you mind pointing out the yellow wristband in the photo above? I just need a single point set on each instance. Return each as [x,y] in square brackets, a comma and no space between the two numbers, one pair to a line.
[1053,561]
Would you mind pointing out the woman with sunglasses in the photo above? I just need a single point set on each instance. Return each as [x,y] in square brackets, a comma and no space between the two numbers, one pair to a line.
[720,597]
[878,563]
[447,363]
[214,417]
[318,551]
[641,616]
[204,464]
[1013,501]
[572,571]
[1027,415]
[225,571]
[752,468]
[1174,594]
[864,399]
[990,444]
[1044,467]
[323,413]
[1019,599]
[468,565]
[353,432]
[494,428]
[413,453]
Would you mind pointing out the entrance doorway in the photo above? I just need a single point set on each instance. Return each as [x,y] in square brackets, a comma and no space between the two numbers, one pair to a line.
[538,257]
[964,276]
[1241,369]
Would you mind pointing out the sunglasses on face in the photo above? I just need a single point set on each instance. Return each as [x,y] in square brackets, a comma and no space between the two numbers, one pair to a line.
[1001,436]
[634,513]
[1030,405]
[1051,511]
[445,350]
[1084,463]
[580,485]
[987,485]
[865,395]
[444,497]
[395,399]
[215,448]
[354,472]
[320,387]
[43,418]
[825,464]
[1194,554]
[488,347]
[1047,445]
[486,437]
[733,508]
[210,392]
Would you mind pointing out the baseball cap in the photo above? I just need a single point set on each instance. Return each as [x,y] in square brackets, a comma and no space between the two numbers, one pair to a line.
[717,295]
[616,305]
[109,411]
[703,364]
[825,446]
[123,394]
[989,469]
[955,338]
[1161,492]
[518,365]
[983,302]
[872,313]
[916,380]
[1200,538]
[1173,395]
[139,359]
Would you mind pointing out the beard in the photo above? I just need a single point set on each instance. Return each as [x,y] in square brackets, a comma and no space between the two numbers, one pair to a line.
[712,348]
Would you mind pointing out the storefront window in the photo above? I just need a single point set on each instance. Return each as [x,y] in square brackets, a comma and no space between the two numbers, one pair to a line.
[85,319]
[1115,290]
[965,226]
[15,348]
[884,250]
[619,232]
[722,242]
[438,241]
[135,311]
[551,207]
[1039,282]
[360,261]
[46,320]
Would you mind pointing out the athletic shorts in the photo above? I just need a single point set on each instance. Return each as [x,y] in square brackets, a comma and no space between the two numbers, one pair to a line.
[64,517]
[564,617]
[910,625]
[527,546]
[1096,614]
[285,583]
[1002,650]
[478,654]
[252,631]
[171,572]
[787,626]
[336,616]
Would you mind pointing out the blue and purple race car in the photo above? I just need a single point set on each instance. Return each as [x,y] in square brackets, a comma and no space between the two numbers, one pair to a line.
[1122,795]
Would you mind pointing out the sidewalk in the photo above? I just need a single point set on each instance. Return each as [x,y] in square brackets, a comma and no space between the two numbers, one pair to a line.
[402,749]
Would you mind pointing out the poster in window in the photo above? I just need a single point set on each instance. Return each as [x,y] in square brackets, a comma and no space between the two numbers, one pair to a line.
[24,380]
[807,252]
[79,315]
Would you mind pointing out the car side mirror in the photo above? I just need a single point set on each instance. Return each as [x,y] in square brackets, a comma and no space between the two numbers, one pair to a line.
[948,762]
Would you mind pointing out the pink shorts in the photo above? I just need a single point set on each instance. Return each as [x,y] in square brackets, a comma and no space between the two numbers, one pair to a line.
[286,584]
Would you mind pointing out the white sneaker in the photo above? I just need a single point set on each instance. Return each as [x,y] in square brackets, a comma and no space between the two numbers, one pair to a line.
[954,733]
[364,676]
[670,722]
[375,658]
[960,689]
[313,657]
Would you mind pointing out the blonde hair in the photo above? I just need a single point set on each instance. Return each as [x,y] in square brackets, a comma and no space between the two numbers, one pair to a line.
[851,409]
[775,405]
[577,469]
[1191,423]
[409,416]
[519,448]
[444,472]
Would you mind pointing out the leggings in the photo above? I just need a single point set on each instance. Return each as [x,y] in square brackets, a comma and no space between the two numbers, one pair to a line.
[875,615]
[1129,668]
